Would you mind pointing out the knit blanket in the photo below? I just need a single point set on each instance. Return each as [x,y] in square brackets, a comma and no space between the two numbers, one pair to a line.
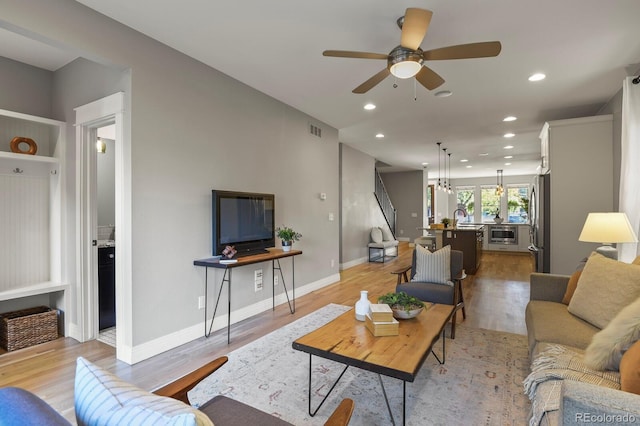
[560,363]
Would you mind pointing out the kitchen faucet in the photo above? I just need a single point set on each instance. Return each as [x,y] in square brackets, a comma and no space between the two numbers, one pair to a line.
[455,221]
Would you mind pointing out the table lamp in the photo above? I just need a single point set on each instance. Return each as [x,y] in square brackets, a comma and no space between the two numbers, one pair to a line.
[607,228]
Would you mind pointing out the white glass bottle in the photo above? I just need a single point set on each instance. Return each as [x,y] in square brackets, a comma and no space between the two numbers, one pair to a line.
[362,305]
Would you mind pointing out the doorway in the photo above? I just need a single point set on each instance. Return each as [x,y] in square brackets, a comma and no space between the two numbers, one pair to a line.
[106,210]
[89,118]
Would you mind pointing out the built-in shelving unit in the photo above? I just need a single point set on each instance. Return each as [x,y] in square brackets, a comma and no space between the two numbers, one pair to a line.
[31,212]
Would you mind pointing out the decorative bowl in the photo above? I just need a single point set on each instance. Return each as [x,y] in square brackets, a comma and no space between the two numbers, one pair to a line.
[404,314]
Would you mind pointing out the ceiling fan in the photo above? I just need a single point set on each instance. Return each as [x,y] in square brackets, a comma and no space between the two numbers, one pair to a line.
[407,59]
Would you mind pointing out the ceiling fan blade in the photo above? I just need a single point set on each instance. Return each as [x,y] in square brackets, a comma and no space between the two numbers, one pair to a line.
[350,54]
[429,78]
[414,27]
[372,82]
[464,51]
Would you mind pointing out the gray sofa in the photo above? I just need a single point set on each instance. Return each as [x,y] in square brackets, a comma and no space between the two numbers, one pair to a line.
[549,322]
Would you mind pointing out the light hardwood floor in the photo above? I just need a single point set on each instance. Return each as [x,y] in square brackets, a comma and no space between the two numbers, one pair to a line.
[495,299]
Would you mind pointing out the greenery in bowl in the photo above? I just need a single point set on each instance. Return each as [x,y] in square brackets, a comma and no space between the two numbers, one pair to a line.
[287,234]
[401,301]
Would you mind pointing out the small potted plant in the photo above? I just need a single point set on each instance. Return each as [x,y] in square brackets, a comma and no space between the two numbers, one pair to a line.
[446,221]
[402,305]
[288,236]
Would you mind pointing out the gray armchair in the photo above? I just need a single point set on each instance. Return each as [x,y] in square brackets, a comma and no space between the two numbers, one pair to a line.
[436,293]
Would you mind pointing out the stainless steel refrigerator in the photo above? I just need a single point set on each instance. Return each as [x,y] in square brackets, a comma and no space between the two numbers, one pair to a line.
[539,206]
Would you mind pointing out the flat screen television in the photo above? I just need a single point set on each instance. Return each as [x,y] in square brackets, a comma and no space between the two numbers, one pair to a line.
[243,220]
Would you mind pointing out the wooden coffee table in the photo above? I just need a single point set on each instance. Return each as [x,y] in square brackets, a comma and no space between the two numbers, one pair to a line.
[347,340]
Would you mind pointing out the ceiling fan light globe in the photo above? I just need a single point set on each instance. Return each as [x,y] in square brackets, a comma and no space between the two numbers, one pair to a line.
[405,69]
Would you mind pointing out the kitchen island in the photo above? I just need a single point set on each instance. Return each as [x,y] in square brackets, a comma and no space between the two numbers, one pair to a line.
[466,238]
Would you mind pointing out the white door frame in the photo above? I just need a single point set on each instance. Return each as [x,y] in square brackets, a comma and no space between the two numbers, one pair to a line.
[108,110]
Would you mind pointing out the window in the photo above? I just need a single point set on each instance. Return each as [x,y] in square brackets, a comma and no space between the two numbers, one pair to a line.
[518,203]
[465,197]
[490,203]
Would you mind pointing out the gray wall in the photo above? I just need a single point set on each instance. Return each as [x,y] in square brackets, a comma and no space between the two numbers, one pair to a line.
[106,169]
[359,210]
[614,107]
[192,129]
[405,190]
[25,88]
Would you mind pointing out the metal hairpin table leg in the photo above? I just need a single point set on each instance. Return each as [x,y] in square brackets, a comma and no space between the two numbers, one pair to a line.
[313,412]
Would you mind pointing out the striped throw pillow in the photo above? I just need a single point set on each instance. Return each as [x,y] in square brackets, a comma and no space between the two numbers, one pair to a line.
[103,399]
[433,267]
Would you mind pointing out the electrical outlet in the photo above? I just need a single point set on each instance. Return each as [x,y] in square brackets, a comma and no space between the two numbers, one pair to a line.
[275,280]
[257,279]
[201,302]
[333,263]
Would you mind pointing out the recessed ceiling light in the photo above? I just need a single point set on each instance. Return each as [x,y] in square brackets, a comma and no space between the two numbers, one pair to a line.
[509,118]
[444,93]
[508,147]
[369,106]
[464,160]
[537,77]
[380,136]
[425,164]
[509,135]
[468,167]
[508,156]
[507,164]
[484,154]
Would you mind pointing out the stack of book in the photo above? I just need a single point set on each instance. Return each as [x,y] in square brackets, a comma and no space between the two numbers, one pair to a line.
[380,321]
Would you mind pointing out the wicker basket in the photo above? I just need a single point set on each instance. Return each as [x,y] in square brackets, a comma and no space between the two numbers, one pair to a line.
[28,327]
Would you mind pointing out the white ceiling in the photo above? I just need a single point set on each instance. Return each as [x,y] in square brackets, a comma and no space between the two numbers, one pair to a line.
[585,47]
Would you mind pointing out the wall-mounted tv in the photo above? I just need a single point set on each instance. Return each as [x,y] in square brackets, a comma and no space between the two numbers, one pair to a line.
[244,220]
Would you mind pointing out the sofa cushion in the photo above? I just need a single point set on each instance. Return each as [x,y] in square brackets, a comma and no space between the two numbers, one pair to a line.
[604,288]
[630,369]
[571,287]
[19,407]
[608,345]
[102,399]
[376,235]
[551,322]
[433,267]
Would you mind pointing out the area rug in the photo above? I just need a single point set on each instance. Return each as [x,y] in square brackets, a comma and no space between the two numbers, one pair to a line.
[480,383]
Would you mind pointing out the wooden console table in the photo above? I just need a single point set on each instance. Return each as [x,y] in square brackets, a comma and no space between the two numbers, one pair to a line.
[273,255]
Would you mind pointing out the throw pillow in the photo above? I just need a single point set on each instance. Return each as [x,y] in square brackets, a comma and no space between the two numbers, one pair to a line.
[102,398]
[433,267]
[376,235]
[386,234]
[636,261]
[604,288]
[630,370]
[571,287]
[607,346]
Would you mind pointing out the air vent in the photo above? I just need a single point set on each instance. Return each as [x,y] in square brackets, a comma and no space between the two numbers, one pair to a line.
[315,130]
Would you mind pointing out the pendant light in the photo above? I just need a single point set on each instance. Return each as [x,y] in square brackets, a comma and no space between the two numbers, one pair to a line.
[444,187]
[450,191]
[499,184]
[439,183]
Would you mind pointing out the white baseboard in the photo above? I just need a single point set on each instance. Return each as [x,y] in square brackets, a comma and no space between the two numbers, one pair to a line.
[132,355]
[354,262]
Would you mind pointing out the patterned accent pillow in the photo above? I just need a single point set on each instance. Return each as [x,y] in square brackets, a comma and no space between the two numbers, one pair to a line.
[103,399]
[433,267]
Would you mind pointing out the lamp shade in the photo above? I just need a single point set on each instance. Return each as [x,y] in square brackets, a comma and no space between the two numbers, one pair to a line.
[607,228]
[405,69]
